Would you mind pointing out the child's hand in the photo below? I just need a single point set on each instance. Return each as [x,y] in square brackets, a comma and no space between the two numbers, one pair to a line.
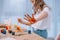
[30,19]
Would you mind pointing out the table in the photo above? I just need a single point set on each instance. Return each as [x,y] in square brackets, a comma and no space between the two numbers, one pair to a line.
[24,36]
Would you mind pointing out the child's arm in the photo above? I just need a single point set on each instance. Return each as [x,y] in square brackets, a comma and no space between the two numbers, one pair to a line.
[42,16]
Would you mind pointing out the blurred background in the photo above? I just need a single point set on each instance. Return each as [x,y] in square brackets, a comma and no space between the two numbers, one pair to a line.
[13,9]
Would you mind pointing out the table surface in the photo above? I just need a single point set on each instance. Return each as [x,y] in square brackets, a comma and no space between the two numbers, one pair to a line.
[22,36]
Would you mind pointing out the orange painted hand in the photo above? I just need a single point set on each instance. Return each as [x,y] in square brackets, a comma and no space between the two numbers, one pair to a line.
[29,18]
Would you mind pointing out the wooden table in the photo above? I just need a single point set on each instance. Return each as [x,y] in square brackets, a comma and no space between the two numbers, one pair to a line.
[24,36]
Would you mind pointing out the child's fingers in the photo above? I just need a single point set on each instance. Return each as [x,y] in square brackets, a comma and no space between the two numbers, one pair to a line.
[30,19]
[27,16]
[26,19]
[32,15]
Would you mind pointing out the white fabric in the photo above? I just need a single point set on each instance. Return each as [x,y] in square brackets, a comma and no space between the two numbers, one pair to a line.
[8,38]
[44,23]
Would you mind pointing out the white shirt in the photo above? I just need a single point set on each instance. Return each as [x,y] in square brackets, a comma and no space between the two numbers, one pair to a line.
[43,24]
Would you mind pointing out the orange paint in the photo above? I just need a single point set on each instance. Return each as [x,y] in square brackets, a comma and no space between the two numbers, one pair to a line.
[19,20]
[19,29]
[32,20]
[7,27]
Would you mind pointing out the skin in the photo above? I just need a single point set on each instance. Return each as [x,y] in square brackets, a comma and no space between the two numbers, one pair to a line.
[58,37]
[29,18]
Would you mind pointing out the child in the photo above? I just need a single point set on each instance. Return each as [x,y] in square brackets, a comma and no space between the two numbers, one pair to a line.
[40,20]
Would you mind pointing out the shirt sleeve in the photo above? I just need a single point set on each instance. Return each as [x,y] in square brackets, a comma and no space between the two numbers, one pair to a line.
[46,9]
